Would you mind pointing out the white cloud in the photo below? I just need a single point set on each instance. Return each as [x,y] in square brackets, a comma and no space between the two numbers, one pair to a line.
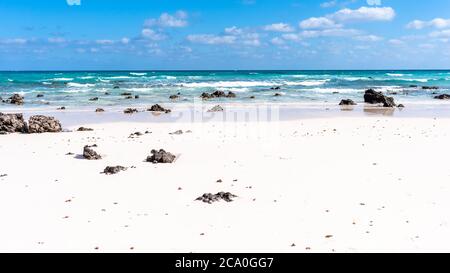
[279,27]
[441,34]
[125,40]
[292,37]
[179,19]
[368,38]
[234,30]
[211,39]
[329,4]
[338,32]
[374,2]
[16,41]
[56,40]
[73,2]
[104,42]
[149,33]
[396,42]
[439,23]
[364,14]
[277,41]
[318,23]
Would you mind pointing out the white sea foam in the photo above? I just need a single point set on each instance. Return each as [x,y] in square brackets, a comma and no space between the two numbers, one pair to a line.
[119,77]
[225,84]
[86,77]
[415,80]
[171,77]
[353,79]
[10,80]
[332,90]
[395,74]
[307,83]
[105,81]
[79,85]
[46,83]
[138,74]
[61,79]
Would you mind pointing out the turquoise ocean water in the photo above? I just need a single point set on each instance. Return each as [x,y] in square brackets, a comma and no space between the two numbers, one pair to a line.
[74,89]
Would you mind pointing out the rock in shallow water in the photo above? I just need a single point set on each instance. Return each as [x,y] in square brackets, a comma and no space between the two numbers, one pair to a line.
[218,94]
[43,124]
[373,97]
[347,102]
[16,99]
[114,169]
[211,198]
[160,156]
[443,97]
[13,123]
[90,154]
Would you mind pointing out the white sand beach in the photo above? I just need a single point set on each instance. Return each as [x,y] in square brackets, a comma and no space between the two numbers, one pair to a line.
[356,184]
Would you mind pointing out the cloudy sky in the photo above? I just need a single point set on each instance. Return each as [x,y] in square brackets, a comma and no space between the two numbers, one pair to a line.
[224,34]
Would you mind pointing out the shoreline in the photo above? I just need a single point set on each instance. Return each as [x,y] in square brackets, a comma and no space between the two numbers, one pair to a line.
[234,113]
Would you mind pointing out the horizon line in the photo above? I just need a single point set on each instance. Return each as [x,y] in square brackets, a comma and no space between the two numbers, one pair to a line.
[219,70]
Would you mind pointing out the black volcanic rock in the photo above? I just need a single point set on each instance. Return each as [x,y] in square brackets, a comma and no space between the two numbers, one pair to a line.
[347,102]
[114,169]
[99,110]
[93,99]
[84,129]
[90,154]
[160,156]
[443,97]
[218,94]
[430,87]
[16,99]
[43,124]
[211,198]
[12,123]
[216,108]
[158,108]
[130,111]
[373,97]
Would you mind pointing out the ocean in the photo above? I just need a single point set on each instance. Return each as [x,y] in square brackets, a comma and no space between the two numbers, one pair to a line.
[75,89]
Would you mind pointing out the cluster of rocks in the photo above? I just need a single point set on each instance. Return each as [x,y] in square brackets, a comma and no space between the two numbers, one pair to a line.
[218,94]
[373,97]
[430,87]
[14,99]
[160,156]
[130,111]
[43,124]
[90,154]
[12,123]
[158,108]
[443,97]
[15,123]
[99,110]
[114,169]
[129,96]
[211,198]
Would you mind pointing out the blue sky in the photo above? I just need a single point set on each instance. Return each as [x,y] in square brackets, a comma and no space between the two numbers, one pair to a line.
[224,34]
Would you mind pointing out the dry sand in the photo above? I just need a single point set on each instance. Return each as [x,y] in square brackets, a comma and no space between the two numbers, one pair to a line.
[360,184]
